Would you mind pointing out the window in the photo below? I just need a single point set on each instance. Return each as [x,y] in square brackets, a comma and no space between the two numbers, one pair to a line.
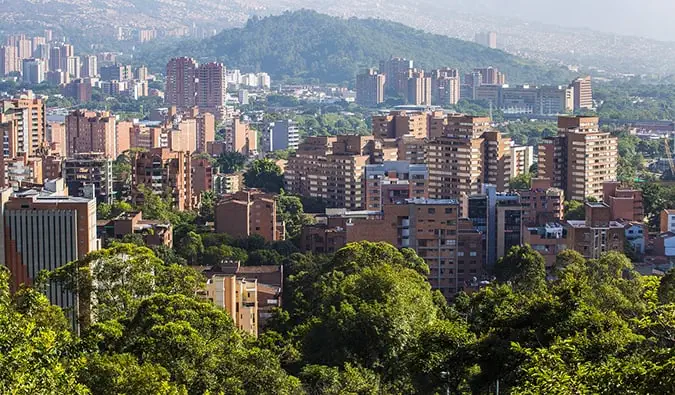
[431,211]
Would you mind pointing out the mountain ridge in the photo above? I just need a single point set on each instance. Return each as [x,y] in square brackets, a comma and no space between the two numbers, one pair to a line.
[307,45]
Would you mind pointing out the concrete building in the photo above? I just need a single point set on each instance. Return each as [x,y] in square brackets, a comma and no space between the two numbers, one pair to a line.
[240,137]
[8,60]
[23,120]
[667,221]
[580,159]
[202,178]
[542,203]
[624,202]
[89,66]
[450,246]
[490,76]
[549,240]
[583,93]
[181,82]
[445,87]
[73,66]
[211,88]
[397,71]
[163,171]
[85,173]
[249,212]
[237,296]
[332,168]
[486,39]
[89,131]
[226,184]
[44,233]
[33,71]
[370,88]
[597,234]
[522,159]
[281,135]
[419,89]
[397,124]
[499,216]
[79,90]
[206,130]
[116,72]
[463,152]
[154,233]
[21,171]
[394,182]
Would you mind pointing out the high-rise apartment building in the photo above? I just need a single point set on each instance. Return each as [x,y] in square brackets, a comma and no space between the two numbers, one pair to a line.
[250,212]
[394,182]
[89,131]
[419,89]
[33,71]
[181,82]
[8,60]
[116,72]
[44,233]
[163,171]
[26,117]
[497,160]
[445,87]
[73,66]
[487,39]
[281,135]
[240,137]
[401,123]
[456,156]
[89,175]
[583,93]
[89,66]
[206,130]
[490,76]
[332,168]
[397,71]
[433,228]
[580,159]
[522,159]
[211,88]
[370,88]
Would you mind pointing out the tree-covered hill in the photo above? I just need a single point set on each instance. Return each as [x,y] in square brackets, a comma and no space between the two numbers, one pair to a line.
[311,46]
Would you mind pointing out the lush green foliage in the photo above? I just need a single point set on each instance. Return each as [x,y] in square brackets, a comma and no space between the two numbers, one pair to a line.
[635,100]
[309,46]
[264,174]
[362,321]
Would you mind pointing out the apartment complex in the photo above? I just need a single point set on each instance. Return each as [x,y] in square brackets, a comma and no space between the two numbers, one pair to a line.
[165,173]
[89,175]
[397,124]
[332,168]
[397,72]
[579,159]
[453,250]
[211,88]
[153,232]
[181,82]
[240,137]
[225,184]
[236,295]
[249,212]
[24,122]
[445,87]
[280,135]
[419,89]
[463,153]
[370,88]
[393,182]
[89,131]
[583,93]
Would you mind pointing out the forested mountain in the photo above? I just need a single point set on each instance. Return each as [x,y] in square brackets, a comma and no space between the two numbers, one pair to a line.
[307,45]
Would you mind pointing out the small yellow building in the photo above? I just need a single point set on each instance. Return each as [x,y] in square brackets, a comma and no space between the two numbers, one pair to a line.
[239,296]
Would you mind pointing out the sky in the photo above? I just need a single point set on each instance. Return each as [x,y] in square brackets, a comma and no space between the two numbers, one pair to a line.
[648,18]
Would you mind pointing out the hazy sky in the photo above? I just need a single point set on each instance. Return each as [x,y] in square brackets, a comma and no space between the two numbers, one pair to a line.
[649,18]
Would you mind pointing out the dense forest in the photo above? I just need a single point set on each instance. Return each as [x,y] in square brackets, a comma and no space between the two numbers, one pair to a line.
[361,321]
[308,46]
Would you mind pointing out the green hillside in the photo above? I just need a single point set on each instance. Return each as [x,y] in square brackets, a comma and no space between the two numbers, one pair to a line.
[311,46]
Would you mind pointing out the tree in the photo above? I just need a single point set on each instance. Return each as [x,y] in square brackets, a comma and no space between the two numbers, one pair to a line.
[264,174]
[231,162]
[524,267]
[208,206]
[264,258]
[218,255]
[520,182]
[110,283]
[191,247]
[36,345]
[291,211]
[574,210]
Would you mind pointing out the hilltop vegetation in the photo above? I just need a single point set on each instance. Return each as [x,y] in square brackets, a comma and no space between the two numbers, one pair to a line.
[305,45]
